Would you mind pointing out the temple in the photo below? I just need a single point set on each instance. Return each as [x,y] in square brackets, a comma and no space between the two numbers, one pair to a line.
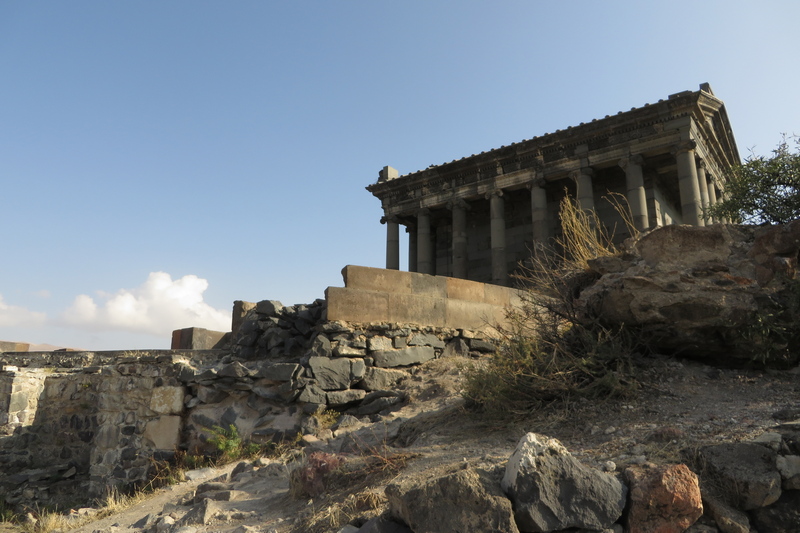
[478,217]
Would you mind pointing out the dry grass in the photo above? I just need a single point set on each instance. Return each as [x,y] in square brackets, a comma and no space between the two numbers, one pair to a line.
[359,506]
[352,484]
[553,351]
[45,521]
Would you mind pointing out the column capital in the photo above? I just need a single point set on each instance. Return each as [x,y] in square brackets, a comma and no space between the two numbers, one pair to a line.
[423,211]
[537,181]
[701,164]
[630,160]
[583,171]
[494,192]
[389,218]
[685,146]
[458,203]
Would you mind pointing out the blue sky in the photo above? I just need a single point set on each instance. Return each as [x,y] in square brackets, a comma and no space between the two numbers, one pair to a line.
[159,160]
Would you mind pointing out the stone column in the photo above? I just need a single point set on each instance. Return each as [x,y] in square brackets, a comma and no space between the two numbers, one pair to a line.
[637,198]
[411,229]
[712,190]
[712,195]
[541,231]
[585,192]
[688,184]
[497,224]
[424,252]
[701,181]
[392,243]
[459,208]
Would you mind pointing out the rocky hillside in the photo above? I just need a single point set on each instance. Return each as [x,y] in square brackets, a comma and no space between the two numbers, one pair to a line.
[432,465]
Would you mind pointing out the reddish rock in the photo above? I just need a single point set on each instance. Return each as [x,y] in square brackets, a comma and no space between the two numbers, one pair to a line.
[662,499]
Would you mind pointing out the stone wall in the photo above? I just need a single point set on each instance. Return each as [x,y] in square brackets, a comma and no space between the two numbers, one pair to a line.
[50,422]
[71,432]
[79,428]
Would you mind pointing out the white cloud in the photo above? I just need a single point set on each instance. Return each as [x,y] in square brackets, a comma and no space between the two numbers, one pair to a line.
[13,316]
[157,307]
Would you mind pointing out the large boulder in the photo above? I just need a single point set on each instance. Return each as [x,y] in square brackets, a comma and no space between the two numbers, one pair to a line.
[746,473]
[464,500]
[551,490]
[700,290]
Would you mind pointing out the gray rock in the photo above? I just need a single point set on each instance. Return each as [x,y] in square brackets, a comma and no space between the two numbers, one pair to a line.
[379,343]
[345,350]
[320,347]
[346,421]
[278,371]
[331,374]
[246,529]
[552,490]
[747,472]
[456,348]
[334,327]
[483,346]
[233,370]
[146,522]
[728,519]
[344,397]
[380,378]
[378,405]
[311,393]
[412,355]
[229,418]
[202,513]
[243,467]
[275,338]
[781,517]
[199,474]
[164,524]
[282,393]
[425,339]
[269,307]
[210,395]
[377,401]
[302,327]
[464,500]
[357,369]
[789,468]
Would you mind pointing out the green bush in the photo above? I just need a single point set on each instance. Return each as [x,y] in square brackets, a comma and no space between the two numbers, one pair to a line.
[762,190]
[230,445]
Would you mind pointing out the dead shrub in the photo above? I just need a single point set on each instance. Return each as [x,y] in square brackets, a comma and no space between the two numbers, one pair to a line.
[310,478]
[553,351]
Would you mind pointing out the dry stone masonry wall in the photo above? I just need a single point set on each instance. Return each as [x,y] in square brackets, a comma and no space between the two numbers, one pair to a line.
[81,423]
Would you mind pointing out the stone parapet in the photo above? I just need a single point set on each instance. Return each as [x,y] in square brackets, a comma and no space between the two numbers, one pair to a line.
[380,295]
[199,339]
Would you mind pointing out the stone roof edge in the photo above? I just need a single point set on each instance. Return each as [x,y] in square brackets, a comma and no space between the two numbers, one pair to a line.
[548,138]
